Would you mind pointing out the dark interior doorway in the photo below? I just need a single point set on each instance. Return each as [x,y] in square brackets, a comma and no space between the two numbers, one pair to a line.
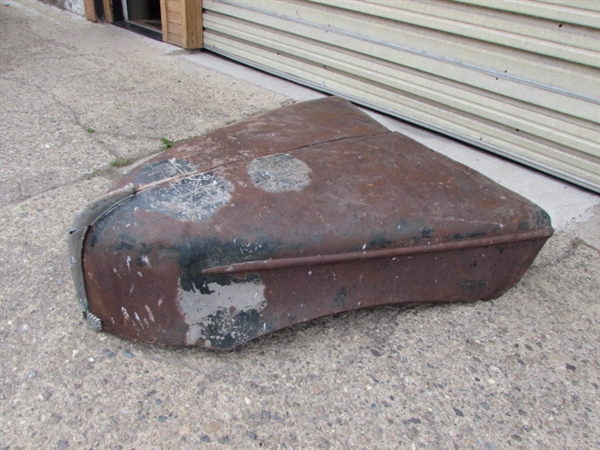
[145,13]
[141,16]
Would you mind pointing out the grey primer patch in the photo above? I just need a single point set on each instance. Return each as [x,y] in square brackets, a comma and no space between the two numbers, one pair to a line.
[195,198]
[162,170]
[229,315]
[279,173]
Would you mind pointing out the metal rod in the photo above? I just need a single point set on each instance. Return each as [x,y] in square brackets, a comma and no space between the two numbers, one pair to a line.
[317,260]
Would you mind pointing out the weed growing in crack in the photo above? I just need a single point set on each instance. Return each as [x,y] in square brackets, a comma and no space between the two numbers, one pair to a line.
[121,162]
[167,143]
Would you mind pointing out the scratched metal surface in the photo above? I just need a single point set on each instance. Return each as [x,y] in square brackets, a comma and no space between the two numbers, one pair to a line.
[299,213]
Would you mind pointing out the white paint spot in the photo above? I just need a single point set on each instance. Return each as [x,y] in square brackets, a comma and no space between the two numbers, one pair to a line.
[128,261]
[149,311]
[146,260]
[126,316]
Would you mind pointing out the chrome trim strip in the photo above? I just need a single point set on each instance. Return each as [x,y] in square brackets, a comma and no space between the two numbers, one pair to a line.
[82,223]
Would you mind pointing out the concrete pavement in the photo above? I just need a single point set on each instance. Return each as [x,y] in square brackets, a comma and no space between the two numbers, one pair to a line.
[80,104]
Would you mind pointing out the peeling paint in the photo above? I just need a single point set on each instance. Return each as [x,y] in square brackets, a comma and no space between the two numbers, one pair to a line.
[74,6]
[230,313]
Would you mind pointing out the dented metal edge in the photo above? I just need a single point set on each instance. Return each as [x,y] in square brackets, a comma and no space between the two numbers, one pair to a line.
[285,263]
[81,224]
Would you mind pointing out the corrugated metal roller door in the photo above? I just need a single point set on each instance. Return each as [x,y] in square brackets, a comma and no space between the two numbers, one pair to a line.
[519,78]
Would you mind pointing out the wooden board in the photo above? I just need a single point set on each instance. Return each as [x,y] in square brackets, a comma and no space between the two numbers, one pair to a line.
[182,23]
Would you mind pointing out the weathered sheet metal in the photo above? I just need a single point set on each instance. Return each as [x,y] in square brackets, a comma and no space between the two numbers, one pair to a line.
[299,213]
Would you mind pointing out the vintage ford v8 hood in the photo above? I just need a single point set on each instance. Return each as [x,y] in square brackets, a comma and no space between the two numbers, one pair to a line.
[309,210]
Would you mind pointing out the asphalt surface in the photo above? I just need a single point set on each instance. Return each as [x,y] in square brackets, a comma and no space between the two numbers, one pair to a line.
[80,104]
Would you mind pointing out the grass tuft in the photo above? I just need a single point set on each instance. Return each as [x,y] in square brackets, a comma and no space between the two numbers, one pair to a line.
[167,143]
[121,162]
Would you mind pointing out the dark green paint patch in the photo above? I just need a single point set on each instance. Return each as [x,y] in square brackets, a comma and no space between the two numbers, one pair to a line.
[340,297]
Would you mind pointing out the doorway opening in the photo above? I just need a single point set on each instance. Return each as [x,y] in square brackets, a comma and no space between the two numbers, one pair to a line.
[140,16]
[178,22]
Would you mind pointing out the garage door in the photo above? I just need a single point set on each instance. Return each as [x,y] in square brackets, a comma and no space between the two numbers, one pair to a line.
[518,78]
